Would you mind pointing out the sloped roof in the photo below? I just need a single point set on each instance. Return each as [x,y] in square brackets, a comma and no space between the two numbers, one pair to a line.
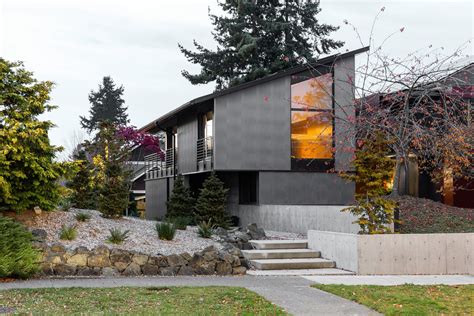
[287,72]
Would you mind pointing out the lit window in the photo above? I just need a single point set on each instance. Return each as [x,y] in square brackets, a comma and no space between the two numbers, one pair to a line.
[312,118]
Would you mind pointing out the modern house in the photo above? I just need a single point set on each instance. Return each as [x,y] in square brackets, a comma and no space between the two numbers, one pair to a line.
[273,141]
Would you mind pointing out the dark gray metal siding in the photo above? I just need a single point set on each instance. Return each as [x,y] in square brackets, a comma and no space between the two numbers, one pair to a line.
[344,75]
[156,197]
[304,188]
[252,128]
[187,142]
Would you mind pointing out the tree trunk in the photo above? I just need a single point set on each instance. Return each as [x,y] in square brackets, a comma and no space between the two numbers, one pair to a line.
[396,178]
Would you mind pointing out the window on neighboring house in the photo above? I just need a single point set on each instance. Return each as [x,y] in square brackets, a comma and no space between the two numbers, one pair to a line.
[312,122]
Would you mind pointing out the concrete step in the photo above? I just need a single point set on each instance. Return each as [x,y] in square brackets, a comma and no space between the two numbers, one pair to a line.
[300,272]
[279,244]
[280,254]
[282,264]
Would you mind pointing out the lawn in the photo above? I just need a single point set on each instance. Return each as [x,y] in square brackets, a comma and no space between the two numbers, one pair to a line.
[132,301]
[409,299]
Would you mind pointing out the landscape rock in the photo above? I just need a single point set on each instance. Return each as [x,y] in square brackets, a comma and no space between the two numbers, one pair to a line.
[101,250]
[39,234]
[78,259]
[46,268]
[159,261]
[109,272]
[121,266]
[186,256]
[176,260]
[119,255]
[239,270]
[99,260]
[140,259]
[150,269]
[186,270]
[57,248]
[64,269]
[223,268]
[168,271]
[207,268]
[132,270]
[86,271]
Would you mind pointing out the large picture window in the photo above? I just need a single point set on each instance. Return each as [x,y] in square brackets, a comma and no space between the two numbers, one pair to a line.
[312,121]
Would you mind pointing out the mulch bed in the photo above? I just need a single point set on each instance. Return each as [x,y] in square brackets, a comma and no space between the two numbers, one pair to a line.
[427,216]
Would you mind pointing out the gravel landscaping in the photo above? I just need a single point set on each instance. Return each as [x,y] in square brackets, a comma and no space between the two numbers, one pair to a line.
[141,238]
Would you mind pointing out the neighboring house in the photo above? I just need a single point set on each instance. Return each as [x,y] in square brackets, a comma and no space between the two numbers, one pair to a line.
[137,164]
[273,142]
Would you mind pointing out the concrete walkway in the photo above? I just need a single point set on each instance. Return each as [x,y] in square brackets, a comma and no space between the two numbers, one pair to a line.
[392,279]
[294,294]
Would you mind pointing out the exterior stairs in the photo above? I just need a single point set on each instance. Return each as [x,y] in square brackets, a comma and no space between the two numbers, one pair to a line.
[285,255]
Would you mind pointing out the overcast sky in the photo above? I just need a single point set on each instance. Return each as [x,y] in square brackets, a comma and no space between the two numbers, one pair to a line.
[76,42]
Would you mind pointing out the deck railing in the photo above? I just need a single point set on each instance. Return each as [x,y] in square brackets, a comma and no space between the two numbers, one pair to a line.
[157,166]
[204,154]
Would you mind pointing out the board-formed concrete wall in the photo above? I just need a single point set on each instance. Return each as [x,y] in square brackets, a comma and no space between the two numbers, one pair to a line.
[397,253]
[296,218]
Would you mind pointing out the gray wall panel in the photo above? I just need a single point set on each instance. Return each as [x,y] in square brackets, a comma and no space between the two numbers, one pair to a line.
[304,188]
[187,142]
[252,128]
[156,197]
[344,74]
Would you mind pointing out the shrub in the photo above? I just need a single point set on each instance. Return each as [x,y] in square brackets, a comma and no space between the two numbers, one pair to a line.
[375,216]
[18,257]
[205,229]
[64,204]
[68,232]
[180,222]
[117,236]
[82,217]
[166,230]
[181,203]
[211,203]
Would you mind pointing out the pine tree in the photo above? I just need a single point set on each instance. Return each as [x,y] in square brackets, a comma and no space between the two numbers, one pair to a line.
[84,190]
[28,172]
[107,106]
[181,202]
[259,37]
[211,203]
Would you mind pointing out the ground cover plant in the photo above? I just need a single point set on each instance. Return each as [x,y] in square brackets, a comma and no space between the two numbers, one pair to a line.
[139,301]
[166,230]
[117,236]
[68,232]
[18,258]
[82,217]
[421,216]
[205,229]
[409,299]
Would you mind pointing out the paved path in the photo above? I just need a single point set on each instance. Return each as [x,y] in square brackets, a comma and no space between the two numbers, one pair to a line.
[294,294]
[392,279]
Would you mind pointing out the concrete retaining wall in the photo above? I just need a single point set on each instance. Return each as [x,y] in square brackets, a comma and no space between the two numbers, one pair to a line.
[296,218]
[397,253]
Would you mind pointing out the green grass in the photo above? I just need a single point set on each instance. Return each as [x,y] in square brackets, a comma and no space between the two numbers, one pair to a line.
[409,299]
[141,301]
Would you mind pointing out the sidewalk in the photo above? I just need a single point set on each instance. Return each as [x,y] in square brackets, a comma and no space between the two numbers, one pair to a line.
[294,294]
[392,279]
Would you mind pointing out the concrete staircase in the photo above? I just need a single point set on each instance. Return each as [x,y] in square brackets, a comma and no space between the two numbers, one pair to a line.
[285,255]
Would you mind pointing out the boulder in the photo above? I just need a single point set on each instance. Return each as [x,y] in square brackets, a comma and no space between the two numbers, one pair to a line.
[46,268]
[186,270]
[160,261]
[109,272]
[64,269]
[255,232]
[223,268]
[101,250]
[78,259]
[99,260]
[132,269]
[150,269]
[119,255]
[168,271]
[140,259]
[176,260]
[39,234]
[236,261]
[239,270]
[225,256]
[221,232]
[120,266]
[86,271]
[197,260]
[81,250]
[186,256]
[57,248]
[54,259]
[207,268]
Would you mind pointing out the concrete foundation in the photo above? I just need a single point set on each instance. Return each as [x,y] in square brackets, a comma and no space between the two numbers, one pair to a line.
[397,254]
[296,218]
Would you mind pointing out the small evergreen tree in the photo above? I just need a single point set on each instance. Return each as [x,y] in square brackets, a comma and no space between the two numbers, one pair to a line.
[374,170]
[84,190]
[257,38]
[211,203]
[107,106]
[28,173]
[181,202]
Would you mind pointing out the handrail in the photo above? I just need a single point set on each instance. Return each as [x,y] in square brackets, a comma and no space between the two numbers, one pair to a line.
[204,154]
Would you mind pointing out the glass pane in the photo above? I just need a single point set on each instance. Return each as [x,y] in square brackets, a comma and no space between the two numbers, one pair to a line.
[314,93]
[311,135]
